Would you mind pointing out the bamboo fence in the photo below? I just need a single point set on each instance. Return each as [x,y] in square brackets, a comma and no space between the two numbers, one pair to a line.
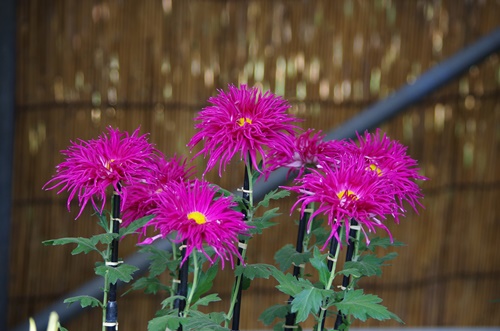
[84,65]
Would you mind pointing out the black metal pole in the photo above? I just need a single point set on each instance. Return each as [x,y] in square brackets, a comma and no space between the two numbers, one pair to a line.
[7,105]
[112,305]
[246,200]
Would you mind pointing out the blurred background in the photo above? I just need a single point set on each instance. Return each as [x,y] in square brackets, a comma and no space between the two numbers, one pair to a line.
[84,65]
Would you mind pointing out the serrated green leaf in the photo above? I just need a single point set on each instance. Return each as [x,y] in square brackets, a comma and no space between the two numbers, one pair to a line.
[135,225]
[288,284]
[263,222]
[151,285]
[85,301]
[363,306]
[273,312]
[171,300]
[122,272]
[103,221]
[273,195]
[251,271]
[84,245]
[162,322]
[350,272]
[160,260]
[201,322]
[307,301]
[280,326]
[367,265]
[288,255]
[207,299]
[103,238]
[319,263]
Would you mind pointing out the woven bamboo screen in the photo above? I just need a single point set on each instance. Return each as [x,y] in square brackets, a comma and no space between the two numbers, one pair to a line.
[84,65]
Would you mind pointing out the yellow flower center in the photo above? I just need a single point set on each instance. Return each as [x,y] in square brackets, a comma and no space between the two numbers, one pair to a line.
[244,120]
[373,167]
[198,217]
[347,193]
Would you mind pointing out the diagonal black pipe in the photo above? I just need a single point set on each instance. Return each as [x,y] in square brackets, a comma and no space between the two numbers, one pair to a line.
[380,112]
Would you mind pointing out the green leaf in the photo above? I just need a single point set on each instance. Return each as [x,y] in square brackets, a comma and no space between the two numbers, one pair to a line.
[273,195]
[319,263]
[162,322]
[363,306]
[85,301]
[263,222]
[382,242]
[103,221]
[151,285]
[207,299]
[288,284]
[160,260]
[367,265]
[171,299]
[103,238]
[61,328]
[273,312]
[350,272]
[288,255]
[251,271]
[84,245]
[205,281]
[135,225]
[201,322]
[307,301]
[122,272]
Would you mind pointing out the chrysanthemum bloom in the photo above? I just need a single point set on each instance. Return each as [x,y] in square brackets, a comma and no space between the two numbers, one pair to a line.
[141,196]
[116,159]
[345,192]
[309,151]
[389,160]
[246,121]
[199,216]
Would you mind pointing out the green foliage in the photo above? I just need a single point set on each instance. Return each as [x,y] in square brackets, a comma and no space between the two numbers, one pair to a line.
[273,195]
[83,245]
[85,301]
[122,272]
[160,260]
[319,263]
[264,221]
[252,271]
[273,312]
[288,256]
[205,281]
[206,300]
[151,285]
[134,226]
[363,306]
[169,319]
[308,301]
[203,322]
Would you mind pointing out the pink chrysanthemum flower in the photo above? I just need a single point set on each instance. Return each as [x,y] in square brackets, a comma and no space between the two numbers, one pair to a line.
[345,192]
[198,216]
[309,151]
[141,197]
[116,159]
[246,121]
[389,160]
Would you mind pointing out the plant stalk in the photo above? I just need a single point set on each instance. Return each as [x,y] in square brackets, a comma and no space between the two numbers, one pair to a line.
[334,251]
[352,250]
[111,312]
[247,194]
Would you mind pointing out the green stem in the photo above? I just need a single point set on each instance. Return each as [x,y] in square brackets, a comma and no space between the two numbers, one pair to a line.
[106,281]
[330,279]
[236,291]
[195,282]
